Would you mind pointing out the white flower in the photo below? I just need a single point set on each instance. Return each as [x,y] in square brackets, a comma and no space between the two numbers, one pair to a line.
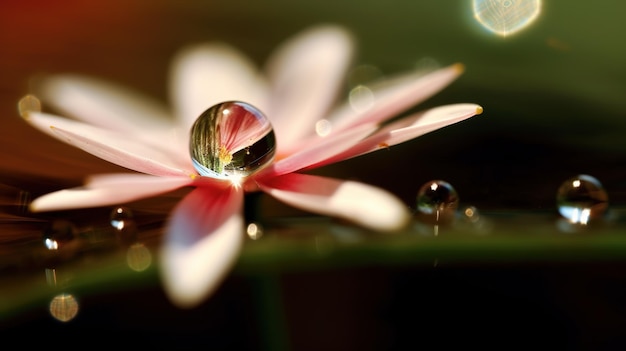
[205,231]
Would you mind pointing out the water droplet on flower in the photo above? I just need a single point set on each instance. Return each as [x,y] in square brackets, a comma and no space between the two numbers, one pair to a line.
[28,103]
[231,140]
[59,233]
[582,198]
[123,222]
[437,201]
[505,17]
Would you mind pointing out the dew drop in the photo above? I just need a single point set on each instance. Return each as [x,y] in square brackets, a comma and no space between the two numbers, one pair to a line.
[122,220]
[231,140]
[29,103]
[581,199]
[505,17]
[58,234]
[437,200]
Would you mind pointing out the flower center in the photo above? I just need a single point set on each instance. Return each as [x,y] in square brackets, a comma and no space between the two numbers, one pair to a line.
[231,140]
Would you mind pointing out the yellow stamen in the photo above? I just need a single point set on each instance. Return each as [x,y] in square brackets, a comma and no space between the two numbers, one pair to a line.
[225,156]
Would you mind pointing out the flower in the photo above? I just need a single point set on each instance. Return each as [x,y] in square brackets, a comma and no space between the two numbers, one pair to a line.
[204,232]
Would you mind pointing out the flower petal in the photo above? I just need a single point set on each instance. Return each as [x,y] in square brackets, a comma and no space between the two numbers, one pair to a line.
[203,238]
[396,96]
[108,189]
[306,74]
[207,74]
[406,129]
[318,152]
[363,204]
[104,104]
[111,146]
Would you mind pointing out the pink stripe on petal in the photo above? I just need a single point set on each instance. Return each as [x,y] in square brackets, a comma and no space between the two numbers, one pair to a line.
[122,150]
[202,242]
[306,73]
[363,204]
[396,96]
[109,189]
[323,149]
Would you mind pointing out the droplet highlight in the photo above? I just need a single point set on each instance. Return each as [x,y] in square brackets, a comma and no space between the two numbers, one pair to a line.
[505,17]
[582,199]
[437,201]
[123,222]
[231,140]
[58,234]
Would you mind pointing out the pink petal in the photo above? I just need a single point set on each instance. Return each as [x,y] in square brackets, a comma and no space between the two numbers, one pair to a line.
[114,147]
[363,204]
[205,75]
[109,189]
[104,104]
[202,242]
[320,151]
[406,129]
[396,96]
[306,74]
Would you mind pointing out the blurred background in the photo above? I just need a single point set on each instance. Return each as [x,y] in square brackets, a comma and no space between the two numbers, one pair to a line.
[554,96]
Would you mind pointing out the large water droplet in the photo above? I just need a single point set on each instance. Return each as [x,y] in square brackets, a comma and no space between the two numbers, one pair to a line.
[437,201]
[231,140]
[505,17]
[581,199]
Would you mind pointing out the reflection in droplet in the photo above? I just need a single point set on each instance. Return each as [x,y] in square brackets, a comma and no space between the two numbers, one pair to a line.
[138,257]
[231,140]
[28,103]
[64,307]
[581,199]
[123,222]
[254,231]
[505,17]
[59,233]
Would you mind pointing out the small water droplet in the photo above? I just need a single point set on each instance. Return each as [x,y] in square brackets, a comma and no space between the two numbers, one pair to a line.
[254,231]
[581,199]
[29,103]
[437,201]
[505,17]
[123,222]
[231,140]
[58,234]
